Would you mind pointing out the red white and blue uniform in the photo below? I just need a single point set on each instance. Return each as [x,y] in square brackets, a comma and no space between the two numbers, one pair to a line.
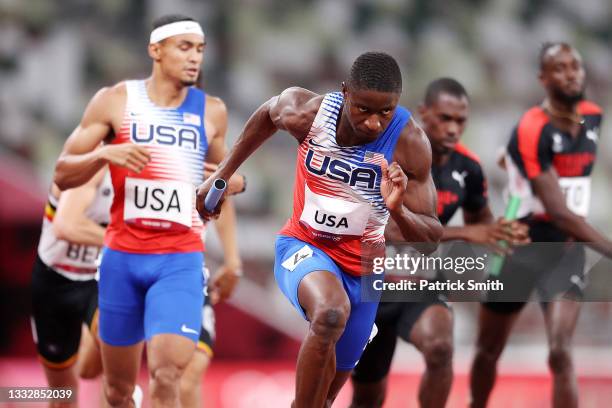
[339,218]
[151,279]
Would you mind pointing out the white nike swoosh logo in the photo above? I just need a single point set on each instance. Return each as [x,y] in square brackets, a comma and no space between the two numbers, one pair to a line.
[186,329]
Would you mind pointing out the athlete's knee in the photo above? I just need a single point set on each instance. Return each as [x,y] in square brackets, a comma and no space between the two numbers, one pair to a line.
[88,372]
[118,393]
[438,352]
[369,402]
[89,368]
[166,378]
[559,359]
[488,353]
[329,320]
[190,380]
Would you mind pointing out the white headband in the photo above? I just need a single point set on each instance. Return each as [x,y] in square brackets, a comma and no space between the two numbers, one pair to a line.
[176,28]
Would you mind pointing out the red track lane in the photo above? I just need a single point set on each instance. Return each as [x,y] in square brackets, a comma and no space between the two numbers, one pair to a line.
[253,384]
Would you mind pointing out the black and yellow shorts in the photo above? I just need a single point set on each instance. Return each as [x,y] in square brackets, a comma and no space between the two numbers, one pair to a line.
[60,306]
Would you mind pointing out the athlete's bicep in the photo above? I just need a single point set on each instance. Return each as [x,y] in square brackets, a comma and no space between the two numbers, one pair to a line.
[421,197]
[413,153]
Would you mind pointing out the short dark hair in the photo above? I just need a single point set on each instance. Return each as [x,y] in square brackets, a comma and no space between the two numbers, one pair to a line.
[375,71]
[443,85]
[546,47]
[170,18]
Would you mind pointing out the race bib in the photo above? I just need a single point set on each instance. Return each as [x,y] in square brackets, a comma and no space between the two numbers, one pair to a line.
[157,204]
[334,216]
[577,191]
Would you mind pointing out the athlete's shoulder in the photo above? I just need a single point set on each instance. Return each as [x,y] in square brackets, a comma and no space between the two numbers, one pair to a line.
[294,110]
[413,150]
[106,104]
[118,89]
[403,111]
[414,134]
[533,115]
[587,108]
[215,105]
[301,97]
[532,123]
[110,94]
[466,153]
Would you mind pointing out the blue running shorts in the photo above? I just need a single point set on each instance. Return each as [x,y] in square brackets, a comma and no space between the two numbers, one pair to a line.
[142,295]
[295,259]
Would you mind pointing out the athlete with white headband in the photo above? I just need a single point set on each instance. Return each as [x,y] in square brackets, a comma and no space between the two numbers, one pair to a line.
[177,28]
[158,132]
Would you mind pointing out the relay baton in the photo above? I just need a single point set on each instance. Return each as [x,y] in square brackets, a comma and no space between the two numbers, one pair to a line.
[511,211]
[214,194]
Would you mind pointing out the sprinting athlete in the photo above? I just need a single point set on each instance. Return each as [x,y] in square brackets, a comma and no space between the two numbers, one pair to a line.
[345,191]
[549,160]
[63,277]
[428,324]
[151,283]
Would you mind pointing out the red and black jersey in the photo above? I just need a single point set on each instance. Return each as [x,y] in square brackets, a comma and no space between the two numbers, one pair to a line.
[537,145]
[459,183]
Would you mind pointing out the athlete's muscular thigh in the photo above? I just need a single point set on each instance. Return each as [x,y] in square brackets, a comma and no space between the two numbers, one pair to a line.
[169,352]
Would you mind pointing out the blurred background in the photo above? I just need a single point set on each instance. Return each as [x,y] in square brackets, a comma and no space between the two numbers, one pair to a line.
[54,55]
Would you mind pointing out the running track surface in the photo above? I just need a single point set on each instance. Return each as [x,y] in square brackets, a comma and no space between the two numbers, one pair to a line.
[254,384]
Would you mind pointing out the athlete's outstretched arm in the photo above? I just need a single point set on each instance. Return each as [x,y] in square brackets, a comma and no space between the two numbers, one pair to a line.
[417,218]
[70,222]
[546,187]
[80,159]
[293,110]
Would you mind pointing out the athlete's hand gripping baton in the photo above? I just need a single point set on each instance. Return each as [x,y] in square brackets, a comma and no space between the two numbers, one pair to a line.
[214,195]
[511,211]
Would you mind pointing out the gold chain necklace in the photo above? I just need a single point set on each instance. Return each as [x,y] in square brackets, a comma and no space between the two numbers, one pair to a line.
[573,117]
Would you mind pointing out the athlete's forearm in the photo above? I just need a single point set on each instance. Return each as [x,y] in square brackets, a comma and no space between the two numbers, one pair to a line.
[226,228]
[455,233]
[85,232]
[257,130]
[472,220]
[73,170]
[418,228]
[577,227]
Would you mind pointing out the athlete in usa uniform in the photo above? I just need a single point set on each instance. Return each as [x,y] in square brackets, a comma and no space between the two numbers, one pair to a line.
[151,276]
[549,161]
[345,190]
